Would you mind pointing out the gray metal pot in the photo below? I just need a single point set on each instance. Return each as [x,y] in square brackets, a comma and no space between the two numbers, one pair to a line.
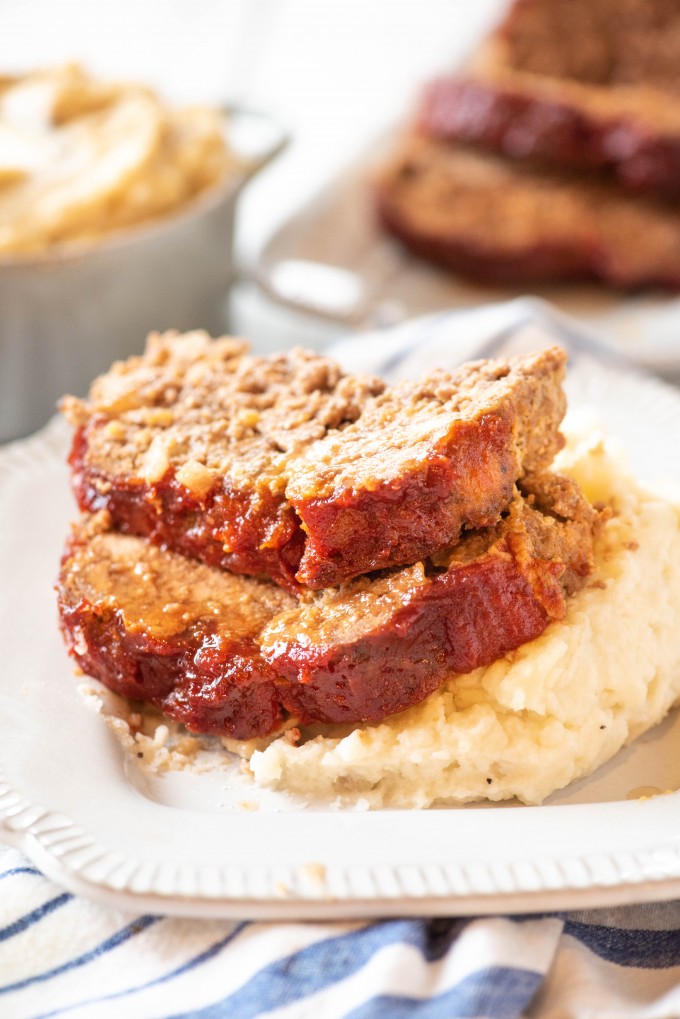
[66,315]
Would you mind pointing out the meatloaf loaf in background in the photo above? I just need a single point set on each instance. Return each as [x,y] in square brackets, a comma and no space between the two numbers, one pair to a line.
[553,155]
[235,656]
[286,467]
[497,221]
[579,84]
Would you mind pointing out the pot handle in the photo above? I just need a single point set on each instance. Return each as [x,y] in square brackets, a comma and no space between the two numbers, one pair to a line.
[254,137]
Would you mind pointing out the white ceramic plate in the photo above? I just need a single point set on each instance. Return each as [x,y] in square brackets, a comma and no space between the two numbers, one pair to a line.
[183,843]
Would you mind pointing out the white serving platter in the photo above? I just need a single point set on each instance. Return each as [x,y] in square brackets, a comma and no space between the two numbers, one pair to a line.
[97,823]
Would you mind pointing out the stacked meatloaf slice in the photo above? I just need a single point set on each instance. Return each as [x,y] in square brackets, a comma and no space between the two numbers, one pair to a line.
[285,467]
[269,538]
[564,134]
[493,220]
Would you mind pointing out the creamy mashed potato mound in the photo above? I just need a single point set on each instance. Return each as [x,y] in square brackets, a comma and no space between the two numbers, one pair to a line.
[549,712]
[80,158]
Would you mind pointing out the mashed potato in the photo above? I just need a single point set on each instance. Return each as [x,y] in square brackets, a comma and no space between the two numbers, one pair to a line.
[80,158]
[544,715]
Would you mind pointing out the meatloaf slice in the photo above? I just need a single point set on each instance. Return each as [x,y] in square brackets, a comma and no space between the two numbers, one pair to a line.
[253,464]
[160,628]
[632,132]
[190,443]
[423,461]
[578,84]
[379,645]
[494,221]
[234,656]
[608,43]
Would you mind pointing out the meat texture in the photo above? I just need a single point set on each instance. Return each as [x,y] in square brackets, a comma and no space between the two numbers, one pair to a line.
[236,656]
[190,444]
[423,461]
[607,43]
[495,221]
[285,467]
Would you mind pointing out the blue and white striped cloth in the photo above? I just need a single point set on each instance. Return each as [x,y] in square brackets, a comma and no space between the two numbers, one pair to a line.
[64,956]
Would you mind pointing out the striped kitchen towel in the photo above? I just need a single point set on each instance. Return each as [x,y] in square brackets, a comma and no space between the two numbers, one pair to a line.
[65,956]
